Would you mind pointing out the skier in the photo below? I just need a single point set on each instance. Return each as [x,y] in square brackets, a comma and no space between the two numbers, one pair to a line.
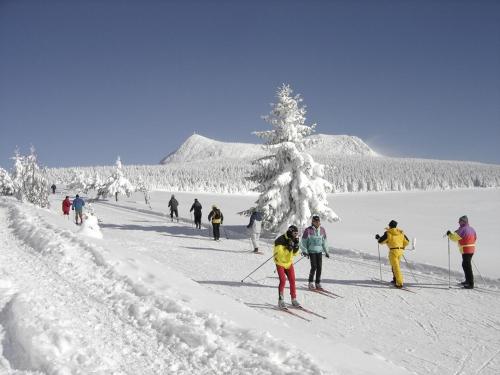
[78,204]
[53,187]
[196,207]
[396,241]
[466,237]
[66,205]
[286,248]
[313,244]
[172,203]
[256,226]
[217,218]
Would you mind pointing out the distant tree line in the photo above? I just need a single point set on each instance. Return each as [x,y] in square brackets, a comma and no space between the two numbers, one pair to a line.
[345,173]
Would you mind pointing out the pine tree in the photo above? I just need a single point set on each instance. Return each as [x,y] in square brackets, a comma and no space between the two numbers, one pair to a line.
[289,181]
[29,181]
[117,183]
[6,183]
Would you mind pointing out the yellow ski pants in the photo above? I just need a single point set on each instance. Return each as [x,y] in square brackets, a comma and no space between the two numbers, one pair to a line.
[394,258]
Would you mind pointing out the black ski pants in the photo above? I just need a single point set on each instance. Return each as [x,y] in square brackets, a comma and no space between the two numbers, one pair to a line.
[197,219]
[316,263]
[216,229]
[467,267]
[172,212]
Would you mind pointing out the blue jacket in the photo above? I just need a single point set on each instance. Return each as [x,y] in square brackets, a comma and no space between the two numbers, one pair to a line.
[78,203]
[314,240]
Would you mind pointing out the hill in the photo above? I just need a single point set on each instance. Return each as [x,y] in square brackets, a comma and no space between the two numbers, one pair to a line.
[198,148]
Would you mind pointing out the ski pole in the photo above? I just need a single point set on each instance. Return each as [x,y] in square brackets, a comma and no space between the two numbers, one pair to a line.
[477,269]
[192,221]
[379,261]
[449,265]
[251,273]
[410,268]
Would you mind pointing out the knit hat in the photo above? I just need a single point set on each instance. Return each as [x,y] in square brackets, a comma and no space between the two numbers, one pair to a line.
[393,224]
[464,219]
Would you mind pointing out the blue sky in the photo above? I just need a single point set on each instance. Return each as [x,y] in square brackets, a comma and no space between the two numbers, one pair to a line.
[85,81]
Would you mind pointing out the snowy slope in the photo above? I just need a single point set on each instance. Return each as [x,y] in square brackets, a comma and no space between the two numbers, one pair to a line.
[156,297]
[199,148]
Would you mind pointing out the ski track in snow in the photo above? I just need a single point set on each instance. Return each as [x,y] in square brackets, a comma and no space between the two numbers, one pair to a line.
[432,339]
[436,331]
[445,328]
[108,313]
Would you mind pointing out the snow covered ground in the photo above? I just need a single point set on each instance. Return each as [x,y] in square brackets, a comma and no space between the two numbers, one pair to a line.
[156,297]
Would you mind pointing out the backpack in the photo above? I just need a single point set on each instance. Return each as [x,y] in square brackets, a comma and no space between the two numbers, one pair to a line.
[216,214]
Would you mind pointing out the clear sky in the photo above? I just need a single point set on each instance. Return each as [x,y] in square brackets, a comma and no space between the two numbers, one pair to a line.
[85,81]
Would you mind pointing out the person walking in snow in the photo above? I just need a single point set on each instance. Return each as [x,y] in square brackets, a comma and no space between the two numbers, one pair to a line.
[396,241]
[313,244]
[255,225]
[78,204]
[53,187]
[66,206]
[466,237]
[216,217]
[173,204]
[286,248]
[196,207]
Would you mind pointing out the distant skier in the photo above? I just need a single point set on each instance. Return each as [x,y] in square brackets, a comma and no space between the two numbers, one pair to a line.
[217,218]
[173,204]
[196,207]
[396,241]
[78,204]
[53,187]
[286,248]
[255,225]
[466,237]
[313,244]
[66,206]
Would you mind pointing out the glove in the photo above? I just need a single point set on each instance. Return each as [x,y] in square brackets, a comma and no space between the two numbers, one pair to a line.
[295,241]
[327,255]
[305,255]
[377,237]
[448,233]
[296,250]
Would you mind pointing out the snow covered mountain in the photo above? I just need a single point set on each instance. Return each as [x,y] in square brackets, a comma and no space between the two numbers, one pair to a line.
[198,148]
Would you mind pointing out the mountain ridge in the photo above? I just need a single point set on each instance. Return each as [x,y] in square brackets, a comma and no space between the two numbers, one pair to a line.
[198,147]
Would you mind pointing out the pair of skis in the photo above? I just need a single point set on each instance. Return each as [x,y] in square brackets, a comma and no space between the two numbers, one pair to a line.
[406,289]
[324,292]
[292,310]
[289,309]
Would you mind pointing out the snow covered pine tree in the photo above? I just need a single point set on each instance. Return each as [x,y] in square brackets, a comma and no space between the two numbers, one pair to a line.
[30,183]
[117,183]
[289,181]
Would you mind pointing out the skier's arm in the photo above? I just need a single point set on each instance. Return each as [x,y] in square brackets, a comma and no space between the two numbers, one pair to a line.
[454,236]
[383,239]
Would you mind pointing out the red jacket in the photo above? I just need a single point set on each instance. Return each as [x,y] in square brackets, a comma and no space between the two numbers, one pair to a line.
[66,206]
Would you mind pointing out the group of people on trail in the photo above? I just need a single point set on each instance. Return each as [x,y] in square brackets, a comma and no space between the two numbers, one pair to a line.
[76,205]
[215,216]
[314,243]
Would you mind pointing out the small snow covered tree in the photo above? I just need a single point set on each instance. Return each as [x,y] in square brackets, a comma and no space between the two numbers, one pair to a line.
[30,183]
[117,183]
[145,189]
[6,183]
[289,181]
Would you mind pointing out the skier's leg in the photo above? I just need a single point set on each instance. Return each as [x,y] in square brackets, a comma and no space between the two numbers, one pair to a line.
[290,273]
[312,260]
[282,276]
[394,259]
